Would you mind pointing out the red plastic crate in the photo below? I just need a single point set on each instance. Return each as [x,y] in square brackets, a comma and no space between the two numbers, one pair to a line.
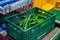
[2,37]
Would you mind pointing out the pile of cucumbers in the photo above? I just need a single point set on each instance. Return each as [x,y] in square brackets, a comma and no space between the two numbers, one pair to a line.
[31,20]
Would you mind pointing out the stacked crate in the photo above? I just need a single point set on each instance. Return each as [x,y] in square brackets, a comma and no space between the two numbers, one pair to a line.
[33,32]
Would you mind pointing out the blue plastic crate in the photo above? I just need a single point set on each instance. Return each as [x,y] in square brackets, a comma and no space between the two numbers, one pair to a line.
[2,26]
[4,2]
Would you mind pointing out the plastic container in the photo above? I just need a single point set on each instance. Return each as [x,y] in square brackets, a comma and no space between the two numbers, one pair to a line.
[44,4]
[3,37]
[33,32]
[5,6]
[11,7]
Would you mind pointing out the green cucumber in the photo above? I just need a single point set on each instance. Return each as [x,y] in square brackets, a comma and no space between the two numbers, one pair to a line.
[27,21]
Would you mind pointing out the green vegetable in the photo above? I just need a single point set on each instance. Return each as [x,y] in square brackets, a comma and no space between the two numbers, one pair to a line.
[28,18]
[31,20]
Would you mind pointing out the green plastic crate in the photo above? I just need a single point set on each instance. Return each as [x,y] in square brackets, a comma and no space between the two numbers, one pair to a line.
[33,32]
[57,12]
[57,36]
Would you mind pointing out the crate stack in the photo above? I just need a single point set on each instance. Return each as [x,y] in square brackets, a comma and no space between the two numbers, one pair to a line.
[30,24]
[21,21]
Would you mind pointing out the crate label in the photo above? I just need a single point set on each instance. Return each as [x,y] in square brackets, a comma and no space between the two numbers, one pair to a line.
[2,10]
